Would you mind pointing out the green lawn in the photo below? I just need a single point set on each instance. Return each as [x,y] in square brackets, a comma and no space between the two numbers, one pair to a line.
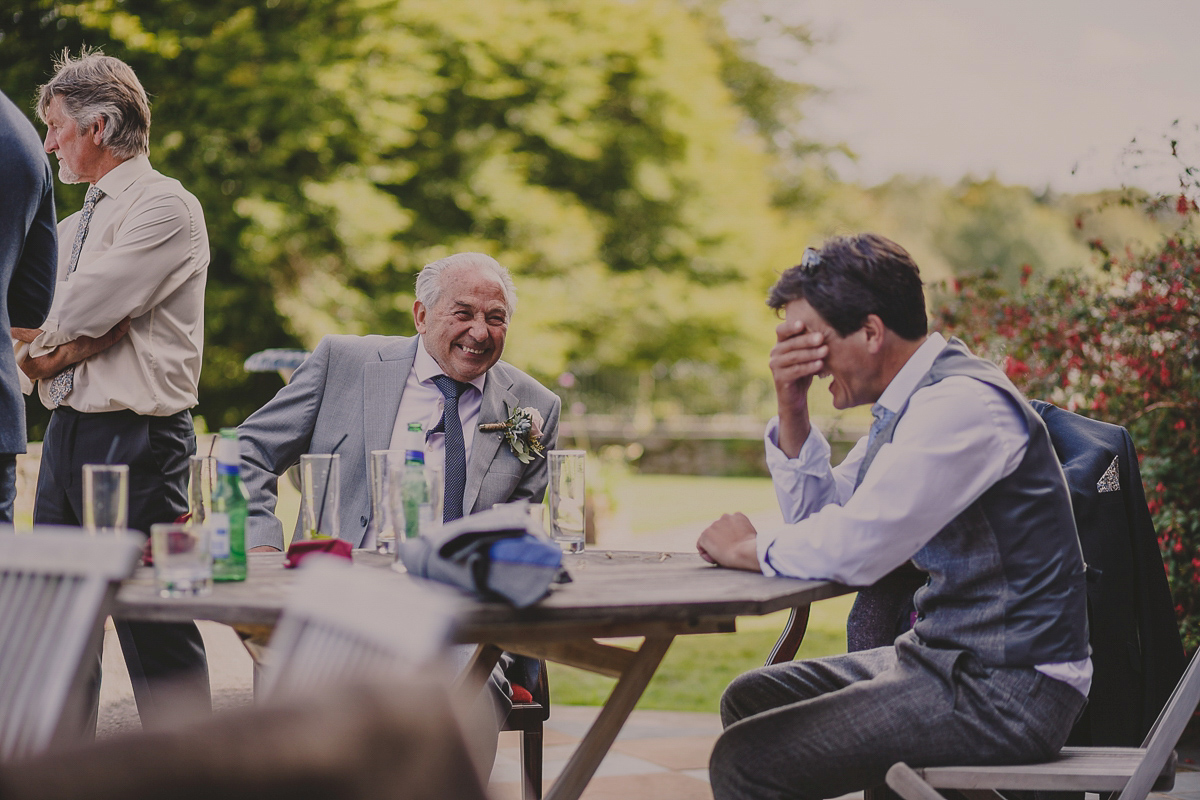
[655,502]
[698,668]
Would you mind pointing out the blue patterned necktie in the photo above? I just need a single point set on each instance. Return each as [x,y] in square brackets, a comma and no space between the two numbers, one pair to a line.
[882,417]
[456,453]
[62,383]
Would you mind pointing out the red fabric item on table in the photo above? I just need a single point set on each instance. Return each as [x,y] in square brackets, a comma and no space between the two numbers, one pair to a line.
[298,551]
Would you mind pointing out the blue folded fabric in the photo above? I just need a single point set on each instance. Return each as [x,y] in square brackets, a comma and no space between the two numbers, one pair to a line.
[498,554]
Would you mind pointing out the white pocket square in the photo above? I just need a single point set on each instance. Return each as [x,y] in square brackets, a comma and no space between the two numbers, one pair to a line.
[1110,481]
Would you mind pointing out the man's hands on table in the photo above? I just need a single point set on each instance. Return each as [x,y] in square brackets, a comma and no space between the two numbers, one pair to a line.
[69,353]
[730,542]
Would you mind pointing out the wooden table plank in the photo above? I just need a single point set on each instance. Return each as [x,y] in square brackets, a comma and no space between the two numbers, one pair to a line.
[612,593]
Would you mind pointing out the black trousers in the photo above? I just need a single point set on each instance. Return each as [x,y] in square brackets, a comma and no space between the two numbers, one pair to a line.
[166,661]
[8,485]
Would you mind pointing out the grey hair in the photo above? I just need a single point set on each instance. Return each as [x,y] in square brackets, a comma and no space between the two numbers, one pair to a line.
[429,280]
[95,86]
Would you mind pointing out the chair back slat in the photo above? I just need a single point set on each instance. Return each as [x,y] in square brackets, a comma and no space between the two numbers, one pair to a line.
[346,624]
[56,587]
[1164,734]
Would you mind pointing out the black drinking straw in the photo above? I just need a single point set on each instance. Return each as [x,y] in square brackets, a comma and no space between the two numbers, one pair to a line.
[325,493]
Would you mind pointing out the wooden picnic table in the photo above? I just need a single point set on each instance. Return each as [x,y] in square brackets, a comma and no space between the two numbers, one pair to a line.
[612,594]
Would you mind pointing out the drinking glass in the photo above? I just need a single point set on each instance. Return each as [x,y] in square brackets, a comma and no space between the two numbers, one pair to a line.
[567,470]
[320,480]
[202,479]
[182,558]
[381,533]
[105,497]
[416,501]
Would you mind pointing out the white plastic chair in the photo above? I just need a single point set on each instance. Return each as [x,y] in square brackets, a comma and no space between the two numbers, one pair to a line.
[1133,771]
[56,587]
[353,625]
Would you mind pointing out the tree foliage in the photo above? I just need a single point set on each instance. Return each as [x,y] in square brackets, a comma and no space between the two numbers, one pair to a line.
[595,147]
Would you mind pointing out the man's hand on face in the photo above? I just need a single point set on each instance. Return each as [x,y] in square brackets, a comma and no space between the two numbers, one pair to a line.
[730,542]
[71,352]
[797,357]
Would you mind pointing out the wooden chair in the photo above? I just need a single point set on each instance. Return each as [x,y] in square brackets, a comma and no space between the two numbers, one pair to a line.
[1133,771]
[345,624]
[529,718]
[56,588]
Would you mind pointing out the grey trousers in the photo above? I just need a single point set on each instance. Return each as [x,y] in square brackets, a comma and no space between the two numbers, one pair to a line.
[825,727]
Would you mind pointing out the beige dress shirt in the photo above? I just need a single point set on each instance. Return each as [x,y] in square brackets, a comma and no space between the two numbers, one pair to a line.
[145,257]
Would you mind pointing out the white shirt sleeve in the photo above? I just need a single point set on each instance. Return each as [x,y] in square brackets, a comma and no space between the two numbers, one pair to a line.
[957,438]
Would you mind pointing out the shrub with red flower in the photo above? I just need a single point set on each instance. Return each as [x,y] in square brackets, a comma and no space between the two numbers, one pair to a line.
[1124,348]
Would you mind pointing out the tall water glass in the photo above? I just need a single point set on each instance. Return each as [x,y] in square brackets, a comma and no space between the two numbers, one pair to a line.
[320,481]
[105,497]
[202,479]
[381,532]
[567,471]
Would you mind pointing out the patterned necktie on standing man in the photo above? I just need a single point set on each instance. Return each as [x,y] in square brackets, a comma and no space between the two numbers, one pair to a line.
[62,383]
[456,453]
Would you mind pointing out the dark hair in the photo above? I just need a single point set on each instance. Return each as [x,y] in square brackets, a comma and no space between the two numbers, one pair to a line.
[853,276]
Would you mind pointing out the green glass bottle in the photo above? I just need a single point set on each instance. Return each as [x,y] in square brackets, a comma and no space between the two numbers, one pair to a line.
[228,524]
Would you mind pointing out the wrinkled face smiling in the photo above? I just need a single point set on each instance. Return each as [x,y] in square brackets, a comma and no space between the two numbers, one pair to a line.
[464,330]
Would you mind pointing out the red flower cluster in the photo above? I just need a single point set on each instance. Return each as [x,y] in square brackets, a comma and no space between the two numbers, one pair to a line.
[1122,347]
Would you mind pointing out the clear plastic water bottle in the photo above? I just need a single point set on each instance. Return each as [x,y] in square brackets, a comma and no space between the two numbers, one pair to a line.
[228,517]
[414,487]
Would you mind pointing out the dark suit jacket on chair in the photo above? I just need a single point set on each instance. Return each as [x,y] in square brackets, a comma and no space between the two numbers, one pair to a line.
[1137,654]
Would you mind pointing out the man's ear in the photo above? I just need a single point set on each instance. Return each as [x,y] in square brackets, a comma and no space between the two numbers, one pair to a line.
[875,332]
[97,131]
[419,315]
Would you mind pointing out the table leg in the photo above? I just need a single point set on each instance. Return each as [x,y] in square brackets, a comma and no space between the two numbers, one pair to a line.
[254,639]
[599,738]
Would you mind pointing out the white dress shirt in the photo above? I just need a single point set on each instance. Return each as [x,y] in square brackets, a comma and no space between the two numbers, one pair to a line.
[423,402]
[145,257]
[957,438]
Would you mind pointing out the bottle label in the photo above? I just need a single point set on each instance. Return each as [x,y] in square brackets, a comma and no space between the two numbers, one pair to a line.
[219,535]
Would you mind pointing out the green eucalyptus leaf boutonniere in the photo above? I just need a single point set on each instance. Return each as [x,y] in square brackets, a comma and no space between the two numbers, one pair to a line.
[522,430]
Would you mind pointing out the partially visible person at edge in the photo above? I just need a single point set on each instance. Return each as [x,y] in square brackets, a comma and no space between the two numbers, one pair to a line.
[957,475]
[118,358]
[358,394]
[28,255]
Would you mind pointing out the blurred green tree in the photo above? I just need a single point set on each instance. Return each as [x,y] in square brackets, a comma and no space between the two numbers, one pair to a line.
[595,147]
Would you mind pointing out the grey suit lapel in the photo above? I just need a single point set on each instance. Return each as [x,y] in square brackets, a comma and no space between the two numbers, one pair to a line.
[383,385]
[496,392]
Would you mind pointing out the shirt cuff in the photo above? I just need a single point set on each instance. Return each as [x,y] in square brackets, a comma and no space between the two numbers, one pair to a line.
[813,458]
[763,543]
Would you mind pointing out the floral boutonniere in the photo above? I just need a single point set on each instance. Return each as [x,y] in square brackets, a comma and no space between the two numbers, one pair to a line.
[522,430]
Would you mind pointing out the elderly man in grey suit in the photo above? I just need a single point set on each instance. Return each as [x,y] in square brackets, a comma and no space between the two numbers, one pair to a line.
[358,394]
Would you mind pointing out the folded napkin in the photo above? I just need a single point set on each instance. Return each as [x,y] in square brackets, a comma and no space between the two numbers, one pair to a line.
[498,554]
[298,551]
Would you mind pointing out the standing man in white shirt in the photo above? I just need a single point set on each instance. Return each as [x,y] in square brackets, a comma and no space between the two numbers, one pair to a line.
[959,476]
[118,358]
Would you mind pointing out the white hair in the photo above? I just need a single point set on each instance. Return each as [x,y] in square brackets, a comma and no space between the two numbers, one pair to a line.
[94,86]
[429,280]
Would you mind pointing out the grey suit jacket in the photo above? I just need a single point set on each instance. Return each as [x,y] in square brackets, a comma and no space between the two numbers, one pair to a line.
[351,386]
